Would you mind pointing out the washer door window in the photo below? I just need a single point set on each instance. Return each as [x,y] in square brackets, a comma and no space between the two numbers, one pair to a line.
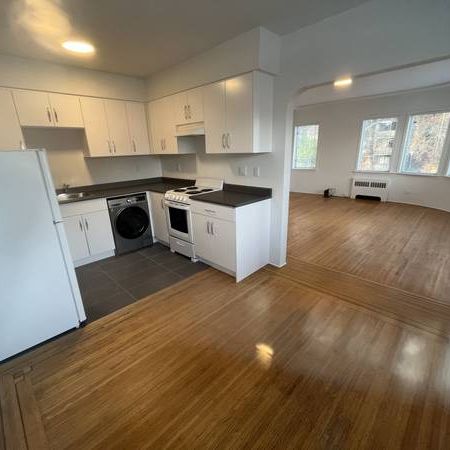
[132,222]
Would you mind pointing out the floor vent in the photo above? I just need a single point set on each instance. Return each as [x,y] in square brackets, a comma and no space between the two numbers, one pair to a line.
[364,188]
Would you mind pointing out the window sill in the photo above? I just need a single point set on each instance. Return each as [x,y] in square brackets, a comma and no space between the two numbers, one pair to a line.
[312,169]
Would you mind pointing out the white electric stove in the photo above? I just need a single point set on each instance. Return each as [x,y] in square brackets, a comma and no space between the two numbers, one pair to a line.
[178,214]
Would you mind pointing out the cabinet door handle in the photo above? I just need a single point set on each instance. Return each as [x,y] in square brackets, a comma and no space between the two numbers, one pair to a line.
[86,223]
[81,224]
[185,112]
[49,115]
[114,146]
[228,140]
[212,228]
[134,145]
[223,140]
[56,115]
[189,112]
[109,146]
[207,227]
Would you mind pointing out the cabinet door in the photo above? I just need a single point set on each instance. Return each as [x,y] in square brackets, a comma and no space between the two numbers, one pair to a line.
[116,117]
[156,119]
[10,132]
[223,243]
[66,111]
[202,237]
[239,118]
[169,132]
[76,237]
[214,114]
[98,232]
[180,107]
[95,126]
[159,217]
[195,105]
[137,124]
[33,109]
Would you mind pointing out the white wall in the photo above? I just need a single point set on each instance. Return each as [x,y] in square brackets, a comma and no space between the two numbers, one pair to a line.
[68,165]
[339,133]
[31,74]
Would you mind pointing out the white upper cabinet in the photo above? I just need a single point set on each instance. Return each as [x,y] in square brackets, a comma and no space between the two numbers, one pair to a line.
[10,132]
[238,114]
[137,125]
[41,109]
[66,111]
[188,106]
[162,125]
[116,118]
[96,127]
[215,117]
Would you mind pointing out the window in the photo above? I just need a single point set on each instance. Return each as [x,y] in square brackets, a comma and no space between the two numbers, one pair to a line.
[305,147]
[424,143]
[377,143]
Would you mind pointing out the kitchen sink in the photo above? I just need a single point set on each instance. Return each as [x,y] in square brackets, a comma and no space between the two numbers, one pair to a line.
[71,196]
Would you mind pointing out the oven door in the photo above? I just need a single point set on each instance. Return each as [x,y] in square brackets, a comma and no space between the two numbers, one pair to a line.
[179,221]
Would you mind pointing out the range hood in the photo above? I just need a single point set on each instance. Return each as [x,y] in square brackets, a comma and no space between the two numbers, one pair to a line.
[191,129]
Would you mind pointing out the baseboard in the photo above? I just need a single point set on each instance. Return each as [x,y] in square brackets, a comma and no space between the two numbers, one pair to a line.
[93,258]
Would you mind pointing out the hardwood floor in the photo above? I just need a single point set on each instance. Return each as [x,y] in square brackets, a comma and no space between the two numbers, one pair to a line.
[298,357]
[404,246]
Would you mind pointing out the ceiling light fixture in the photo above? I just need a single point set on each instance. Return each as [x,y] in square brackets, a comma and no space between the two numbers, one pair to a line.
[79,46]
[343,82]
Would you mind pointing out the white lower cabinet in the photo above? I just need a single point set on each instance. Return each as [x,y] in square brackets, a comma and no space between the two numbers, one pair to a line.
[235,240]
[88,230]
[160,231]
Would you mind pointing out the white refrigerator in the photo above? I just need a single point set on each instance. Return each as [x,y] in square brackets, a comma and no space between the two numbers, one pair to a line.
[39,294]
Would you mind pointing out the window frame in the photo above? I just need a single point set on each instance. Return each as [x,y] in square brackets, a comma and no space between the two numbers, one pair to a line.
[305,124]
[444,160]
[397,141]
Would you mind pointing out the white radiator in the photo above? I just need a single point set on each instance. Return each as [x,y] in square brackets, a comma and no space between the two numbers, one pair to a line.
[370,187]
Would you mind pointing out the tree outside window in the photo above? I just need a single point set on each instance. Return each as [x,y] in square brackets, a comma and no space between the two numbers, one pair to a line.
[305,147]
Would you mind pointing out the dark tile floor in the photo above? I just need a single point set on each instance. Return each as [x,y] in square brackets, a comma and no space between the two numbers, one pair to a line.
[115,282]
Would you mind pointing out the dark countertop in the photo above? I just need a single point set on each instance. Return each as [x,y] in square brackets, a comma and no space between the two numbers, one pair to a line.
[232,195]
[235,195]
[159,184]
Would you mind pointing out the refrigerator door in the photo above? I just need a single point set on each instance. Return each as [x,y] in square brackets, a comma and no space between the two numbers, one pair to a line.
[36,293]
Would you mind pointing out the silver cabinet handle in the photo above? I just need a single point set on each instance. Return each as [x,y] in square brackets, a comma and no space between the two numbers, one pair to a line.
[212,228]
[134,145]
[56,115]
[207,228]
[185,112]
[109,146]
[81,224]
[189,112]
[86,223]
[228,140]
[223,140]
[49,115]
[114,146]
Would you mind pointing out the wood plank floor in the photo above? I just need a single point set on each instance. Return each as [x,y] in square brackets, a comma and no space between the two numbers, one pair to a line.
[289,358]
[404,246]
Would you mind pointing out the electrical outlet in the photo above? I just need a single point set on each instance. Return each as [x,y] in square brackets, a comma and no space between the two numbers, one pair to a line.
[256,171]
[243,171]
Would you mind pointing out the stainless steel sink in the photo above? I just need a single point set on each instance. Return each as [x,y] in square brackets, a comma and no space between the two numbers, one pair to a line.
[71,196]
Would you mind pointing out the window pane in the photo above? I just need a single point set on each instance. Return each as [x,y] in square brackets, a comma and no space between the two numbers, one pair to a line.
[305,147]
[377,142]
[424,143]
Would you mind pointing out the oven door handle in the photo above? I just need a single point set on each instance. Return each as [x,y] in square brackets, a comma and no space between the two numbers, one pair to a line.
[177,205]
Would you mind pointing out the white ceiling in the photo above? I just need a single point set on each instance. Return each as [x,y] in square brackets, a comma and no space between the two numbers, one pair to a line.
[140,37]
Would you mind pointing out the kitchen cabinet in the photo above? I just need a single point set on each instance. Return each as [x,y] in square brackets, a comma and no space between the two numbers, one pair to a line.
[88,230]
[95,127]
[137,125]
[238,114]
[234,240]
[116,118]
[42,109]
[158,213]
[188,106]
[11,137]
[162,126]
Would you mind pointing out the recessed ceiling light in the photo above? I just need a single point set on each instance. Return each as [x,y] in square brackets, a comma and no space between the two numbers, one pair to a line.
[79,46]
[343,82]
